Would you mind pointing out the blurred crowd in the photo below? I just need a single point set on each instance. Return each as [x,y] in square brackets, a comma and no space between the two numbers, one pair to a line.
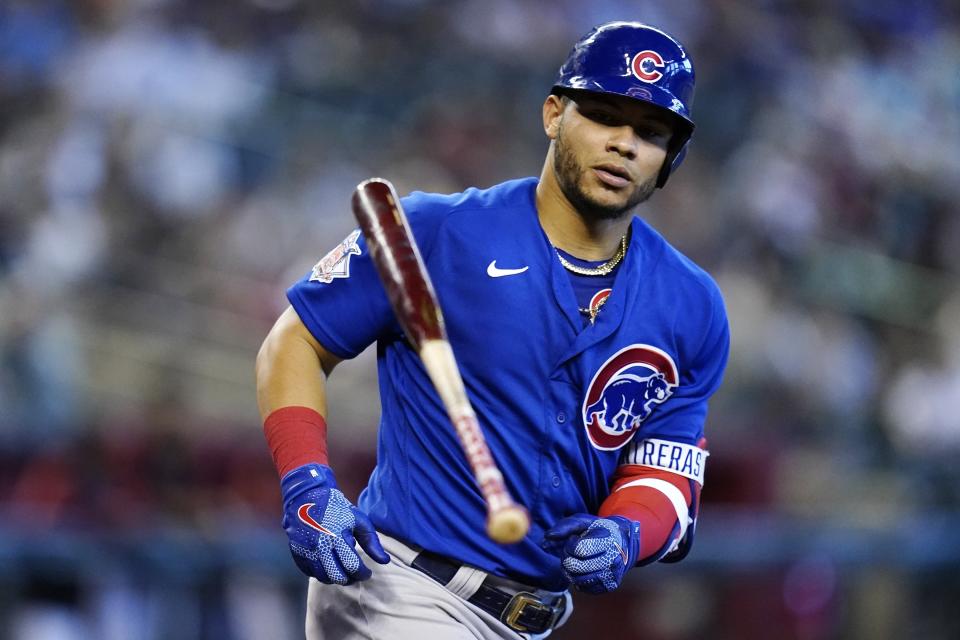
[168,167]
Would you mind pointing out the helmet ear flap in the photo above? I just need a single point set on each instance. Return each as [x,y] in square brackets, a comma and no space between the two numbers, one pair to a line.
[676,149]
[673,160]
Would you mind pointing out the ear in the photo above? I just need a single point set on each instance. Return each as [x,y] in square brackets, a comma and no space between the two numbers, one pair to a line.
[552,113]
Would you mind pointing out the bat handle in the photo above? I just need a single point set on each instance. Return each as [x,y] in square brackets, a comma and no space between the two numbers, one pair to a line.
[507,521]
[508,525]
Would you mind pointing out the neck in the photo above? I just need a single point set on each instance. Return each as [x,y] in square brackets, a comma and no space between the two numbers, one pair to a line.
[568,229]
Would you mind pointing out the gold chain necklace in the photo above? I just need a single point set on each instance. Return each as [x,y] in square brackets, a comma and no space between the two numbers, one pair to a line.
[603,269]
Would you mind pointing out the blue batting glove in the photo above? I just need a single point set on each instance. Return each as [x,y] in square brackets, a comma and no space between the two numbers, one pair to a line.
[322,526]
[594,552]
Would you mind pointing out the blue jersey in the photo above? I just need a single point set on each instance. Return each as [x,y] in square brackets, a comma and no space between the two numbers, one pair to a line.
[561,403]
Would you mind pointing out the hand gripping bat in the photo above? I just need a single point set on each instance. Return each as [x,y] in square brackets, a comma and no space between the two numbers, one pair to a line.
[411,294]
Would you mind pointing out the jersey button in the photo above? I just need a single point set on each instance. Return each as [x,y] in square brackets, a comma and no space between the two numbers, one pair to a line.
[561,417]
[556,481]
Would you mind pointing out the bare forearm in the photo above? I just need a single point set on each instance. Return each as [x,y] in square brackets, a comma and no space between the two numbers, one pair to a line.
[292,368]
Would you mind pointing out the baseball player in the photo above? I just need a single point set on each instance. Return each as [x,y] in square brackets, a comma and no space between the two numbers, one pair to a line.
[589,348]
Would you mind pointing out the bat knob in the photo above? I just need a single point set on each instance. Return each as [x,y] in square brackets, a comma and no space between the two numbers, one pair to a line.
[509,524]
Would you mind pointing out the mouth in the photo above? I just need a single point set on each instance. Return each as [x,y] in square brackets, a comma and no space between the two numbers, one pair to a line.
[612,174]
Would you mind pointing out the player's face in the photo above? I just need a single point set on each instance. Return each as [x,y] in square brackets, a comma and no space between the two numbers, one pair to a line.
[608,151]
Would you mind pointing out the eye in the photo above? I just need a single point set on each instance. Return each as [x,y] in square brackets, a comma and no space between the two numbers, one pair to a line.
[602,116]
[653,132]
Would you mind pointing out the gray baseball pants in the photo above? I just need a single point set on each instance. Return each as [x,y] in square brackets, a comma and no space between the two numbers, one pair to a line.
[399,601]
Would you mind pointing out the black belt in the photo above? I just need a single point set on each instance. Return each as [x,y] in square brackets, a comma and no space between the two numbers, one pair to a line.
[523,611]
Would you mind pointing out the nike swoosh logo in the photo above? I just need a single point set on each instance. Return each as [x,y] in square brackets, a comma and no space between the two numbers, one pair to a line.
[304,515]
[495,272]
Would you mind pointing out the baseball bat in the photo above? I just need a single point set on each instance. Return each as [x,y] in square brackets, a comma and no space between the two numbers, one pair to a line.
[414,301]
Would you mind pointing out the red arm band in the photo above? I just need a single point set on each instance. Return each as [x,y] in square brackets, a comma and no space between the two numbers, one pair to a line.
[296,436]
[654,498]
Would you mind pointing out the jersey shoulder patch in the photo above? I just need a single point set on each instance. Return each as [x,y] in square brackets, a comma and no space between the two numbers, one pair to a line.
[336,264]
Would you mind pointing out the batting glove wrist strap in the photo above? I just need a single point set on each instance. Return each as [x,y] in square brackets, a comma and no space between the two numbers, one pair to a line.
[594,552]
[323,527]
[305,478]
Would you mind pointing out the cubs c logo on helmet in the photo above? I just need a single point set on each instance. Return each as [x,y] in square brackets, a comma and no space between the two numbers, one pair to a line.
[624,392]
[645,64]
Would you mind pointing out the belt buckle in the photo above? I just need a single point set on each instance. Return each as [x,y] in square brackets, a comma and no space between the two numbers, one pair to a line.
[518,603]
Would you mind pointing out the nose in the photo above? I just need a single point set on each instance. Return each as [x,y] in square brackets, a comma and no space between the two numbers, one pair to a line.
[623,141]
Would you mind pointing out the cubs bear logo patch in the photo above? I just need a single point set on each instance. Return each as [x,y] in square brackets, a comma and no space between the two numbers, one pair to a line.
[624,391]
[336,264]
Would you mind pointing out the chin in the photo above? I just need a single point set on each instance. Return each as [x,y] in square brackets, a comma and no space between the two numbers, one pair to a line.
[616,202]
[602,209]
[612,199]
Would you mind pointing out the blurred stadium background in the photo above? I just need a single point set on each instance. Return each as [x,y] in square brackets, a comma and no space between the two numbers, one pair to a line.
[168,167]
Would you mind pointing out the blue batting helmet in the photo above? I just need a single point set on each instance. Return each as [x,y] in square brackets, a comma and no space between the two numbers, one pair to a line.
[636,61]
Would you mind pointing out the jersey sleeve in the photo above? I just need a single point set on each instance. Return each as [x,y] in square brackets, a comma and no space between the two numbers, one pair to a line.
[701,368]
[341,300]
[661,471]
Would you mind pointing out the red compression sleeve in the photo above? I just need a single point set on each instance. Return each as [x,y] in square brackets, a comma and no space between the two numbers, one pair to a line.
[649,506]
[296,436]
